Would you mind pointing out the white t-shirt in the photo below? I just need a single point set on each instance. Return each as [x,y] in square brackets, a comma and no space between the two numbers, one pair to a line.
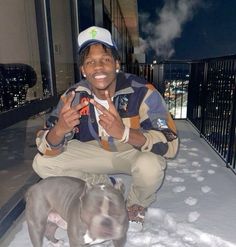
[101,130]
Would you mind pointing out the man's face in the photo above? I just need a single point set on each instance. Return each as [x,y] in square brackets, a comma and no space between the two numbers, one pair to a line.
[100,69]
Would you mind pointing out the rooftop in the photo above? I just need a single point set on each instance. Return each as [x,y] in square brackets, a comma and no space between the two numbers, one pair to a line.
[194,207]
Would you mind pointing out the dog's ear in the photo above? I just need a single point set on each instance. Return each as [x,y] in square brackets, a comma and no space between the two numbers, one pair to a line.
[119,185]
[87,187]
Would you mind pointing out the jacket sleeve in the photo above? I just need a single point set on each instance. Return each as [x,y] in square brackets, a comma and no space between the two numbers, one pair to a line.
[158,126]
[43,146]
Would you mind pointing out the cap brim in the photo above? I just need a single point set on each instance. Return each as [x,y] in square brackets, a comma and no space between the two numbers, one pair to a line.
[93,42]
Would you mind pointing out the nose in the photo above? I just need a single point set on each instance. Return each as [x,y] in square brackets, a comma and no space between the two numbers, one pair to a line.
[106,222]
[98,64]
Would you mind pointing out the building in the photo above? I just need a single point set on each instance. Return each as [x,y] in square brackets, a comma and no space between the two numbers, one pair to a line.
[38,61]
[43,34]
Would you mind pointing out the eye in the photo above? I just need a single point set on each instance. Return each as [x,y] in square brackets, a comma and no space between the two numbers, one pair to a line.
[107,59]
[89,62]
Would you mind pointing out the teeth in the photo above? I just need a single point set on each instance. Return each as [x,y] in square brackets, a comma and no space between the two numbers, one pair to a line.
[100,76]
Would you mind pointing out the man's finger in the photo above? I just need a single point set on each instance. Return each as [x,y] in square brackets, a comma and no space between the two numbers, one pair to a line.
[67,99]
[112,108]
[108,98]
[80,105]
[101,108]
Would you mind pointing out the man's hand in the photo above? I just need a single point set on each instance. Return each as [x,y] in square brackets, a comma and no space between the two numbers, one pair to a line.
[110,119]
[69,118]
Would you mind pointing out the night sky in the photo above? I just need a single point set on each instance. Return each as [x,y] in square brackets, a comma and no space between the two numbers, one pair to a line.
[209,31]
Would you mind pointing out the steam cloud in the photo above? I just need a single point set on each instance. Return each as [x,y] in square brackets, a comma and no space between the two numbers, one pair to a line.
[161,34]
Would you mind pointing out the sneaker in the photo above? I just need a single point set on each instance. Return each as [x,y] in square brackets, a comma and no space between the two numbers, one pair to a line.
[136,213]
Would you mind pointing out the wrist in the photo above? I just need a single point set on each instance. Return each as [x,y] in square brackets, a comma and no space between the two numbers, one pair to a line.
[125,137]
[58,145]
[57,132]
[55,138]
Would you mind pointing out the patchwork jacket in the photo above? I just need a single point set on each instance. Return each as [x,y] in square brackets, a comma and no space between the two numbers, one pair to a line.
[140,107]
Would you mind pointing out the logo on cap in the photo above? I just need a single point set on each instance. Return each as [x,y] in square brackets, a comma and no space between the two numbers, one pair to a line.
[93,33]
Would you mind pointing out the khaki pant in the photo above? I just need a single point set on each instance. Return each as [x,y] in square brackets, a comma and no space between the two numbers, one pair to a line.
[91,163]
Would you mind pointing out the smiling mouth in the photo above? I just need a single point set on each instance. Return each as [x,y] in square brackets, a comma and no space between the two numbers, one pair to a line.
[98,77]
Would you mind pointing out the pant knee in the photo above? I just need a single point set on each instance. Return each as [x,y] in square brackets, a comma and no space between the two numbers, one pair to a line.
[37,167]
[48,167]
[149,169]
[43,168]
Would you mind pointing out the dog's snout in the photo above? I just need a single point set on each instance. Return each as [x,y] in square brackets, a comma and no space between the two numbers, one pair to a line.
[106,222]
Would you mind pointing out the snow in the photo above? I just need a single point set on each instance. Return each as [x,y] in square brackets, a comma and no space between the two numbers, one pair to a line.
[195,207]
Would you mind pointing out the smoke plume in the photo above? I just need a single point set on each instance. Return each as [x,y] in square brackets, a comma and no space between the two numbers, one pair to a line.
[161,34]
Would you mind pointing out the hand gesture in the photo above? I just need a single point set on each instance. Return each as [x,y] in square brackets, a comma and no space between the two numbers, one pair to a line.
[69,116]
[110,119]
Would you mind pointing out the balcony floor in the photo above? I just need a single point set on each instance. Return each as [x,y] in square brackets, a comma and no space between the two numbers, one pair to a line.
[194,207]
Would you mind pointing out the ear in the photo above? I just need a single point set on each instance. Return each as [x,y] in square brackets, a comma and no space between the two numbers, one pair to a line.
[87,187]
[82,71]
[119,185]
[117,65]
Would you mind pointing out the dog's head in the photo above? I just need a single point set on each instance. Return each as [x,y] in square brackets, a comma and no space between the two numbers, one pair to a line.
[104,212]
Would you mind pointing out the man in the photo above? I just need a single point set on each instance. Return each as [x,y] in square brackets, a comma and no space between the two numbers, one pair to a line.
[108,123]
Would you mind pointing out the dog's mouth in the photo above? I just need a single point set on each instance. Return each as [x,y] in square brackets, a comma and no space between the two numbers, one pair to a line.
[106,228]
[106,233]
[103,228]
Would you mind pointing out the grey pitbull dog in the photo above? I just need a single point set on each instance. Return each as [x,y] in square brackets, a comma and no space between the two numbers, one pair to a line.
[91,213]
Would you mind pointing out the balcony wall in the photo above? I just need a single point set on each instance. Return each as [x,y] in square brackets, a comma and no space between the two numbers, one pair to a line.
[212,104]
[204,92]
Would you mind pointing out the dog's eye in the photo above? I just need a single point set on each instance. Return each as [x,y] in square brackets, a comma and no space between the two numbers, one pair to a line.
[115,211]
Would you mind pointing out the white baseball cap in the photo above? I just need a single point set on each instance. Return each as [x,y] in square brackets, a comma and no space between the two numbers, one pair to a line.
[94,35]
